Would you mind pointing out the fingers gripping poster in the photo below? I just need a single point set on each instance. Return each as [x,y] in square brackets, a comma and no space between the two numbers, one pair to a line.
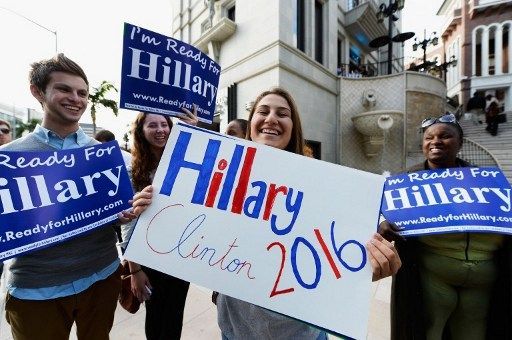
[282,231]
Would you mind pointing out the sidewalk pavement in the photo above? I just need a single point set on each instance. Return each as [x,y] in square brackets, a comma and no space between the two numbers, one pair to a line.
[200,320]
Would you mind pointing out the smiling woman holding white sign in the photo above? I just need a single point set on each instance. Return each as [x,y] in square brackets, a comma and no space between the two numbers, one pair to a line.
[452,285]
[274,121]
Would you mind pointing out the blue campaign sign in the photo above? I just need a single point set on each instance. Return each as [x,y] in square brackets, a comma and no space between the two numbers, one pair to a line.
[163,75]
[449,200]
[48,197]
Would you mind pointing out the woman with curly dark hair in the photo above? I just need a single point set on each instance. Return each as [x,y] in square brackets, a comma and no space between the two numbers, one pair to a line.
[164,295]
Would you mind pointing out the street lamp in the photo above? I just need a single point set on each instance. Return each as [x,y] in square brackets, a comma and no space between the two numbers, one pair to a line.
[443,67]
[432,40]
[389,12]
[452,62]
[35,23]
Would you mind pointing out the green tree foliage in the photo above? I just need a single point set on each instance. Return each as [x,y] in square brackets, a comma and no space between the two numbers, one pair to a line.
[98,97]
[29,126]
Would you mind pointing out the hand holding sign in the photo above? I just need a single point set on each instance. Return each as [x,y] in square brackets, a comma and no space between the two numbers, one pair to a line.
[142,200]
[189,117]
[383,257]
[390,231]
[126,216]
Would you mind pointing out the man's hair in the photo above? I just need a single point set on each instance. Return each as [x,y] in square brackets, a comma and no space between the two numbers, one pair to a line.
[242,123]
[4,122]
[40,71]
[105,136]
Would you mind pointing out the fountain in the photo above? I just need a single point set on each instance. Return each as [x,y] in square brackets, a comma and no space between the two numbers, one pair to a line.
[375,126]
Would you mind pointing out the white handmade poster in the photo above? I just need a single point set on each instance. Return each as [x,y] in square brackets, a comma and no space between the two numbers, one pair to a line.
[279,230]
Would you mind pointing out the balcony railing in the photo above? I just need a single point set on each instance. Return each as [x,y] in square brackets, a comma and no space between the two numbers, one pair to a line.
[368,69]
[477,155]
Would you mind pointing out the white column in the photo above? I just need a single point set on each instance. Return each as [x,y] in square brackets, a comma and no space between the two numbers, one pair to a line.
[498,50]
[452,69]
[510,48]
[473,53]
[485,51]
[449,77]
[457,56]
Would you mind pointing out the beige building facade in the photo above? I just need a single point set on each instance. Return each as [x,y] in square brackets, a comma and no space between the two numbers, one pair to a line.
[303,46]
[477,33]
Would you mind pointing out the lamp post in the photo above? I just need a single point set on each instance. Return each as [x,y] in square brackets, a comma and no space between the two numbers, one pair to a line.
[389,12]
[35,23]
[432,40]
[444,66]
[452,62]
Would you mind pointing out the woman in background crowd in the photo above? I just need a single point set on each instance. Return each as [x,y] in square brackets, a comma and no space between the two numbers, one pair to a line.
[237,127]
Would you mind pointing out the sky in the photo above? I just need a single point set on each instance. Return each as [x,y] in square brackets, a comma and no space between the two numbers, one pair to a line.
[417,16]
[90,32]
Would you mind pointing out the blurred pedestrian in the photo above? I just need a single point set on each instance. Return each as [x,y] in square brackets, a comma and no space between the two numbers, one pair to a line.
[237,127]
[5,132]
[476,107]
[104,136]
[491,118]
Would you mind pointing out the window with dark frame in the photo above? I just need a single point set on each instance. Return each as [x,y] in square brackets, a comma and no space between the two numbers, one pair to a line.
[231,13]
[319,31]
[232,102]
[339,47]
[301,26]
[315,148]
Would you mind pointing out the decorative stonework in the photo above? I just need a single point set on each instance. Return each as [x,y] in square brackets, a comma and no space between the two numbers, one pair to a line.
[375,126]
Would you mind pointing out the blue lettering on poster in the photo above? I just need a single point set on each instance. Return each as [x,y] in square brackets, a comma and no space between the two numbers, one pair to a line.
[163,75]
[448,201]
[48,197]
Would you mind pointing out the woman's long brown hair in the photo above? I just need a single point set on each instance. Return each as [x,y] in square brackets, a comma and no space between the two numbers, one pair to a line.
[144,161]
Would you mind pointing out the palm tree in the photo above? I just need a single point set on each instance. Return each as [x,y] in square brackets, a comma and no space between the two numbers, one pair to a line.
[28,126]
[97,97]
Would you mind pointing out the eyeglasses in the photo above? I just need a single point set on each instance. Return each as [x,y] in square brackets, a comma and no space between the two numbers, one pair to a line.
[5,131]
[447,118]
